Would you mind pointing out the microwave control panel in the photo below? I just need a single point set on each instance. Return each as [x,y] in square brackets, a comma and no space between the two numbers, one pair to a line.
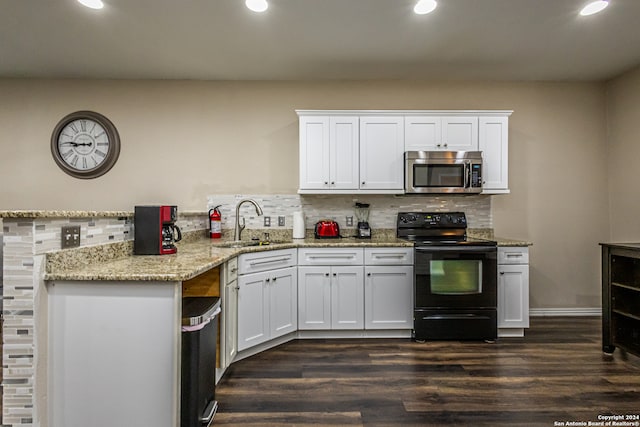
[476,175]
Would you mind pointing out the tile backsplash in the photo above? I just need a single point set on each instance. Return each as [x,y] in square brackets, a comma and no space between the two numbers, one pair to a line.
[383,210]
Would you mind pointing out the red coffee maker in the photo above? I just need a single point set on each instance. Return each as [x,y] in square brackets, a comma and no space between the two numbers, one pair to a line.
[155,230]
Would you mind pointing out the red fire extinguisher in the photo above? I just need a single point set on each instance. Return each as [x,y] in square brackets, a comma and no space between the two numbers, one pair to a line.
[215,223]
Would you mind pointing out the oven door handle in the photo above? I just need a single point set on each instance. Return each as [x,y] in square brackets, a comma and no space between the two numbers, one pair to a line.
[455,248]
[455,317]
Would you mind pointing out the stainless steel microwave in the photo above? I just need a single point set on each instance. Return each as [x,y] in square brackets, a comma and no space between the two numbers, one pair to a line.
[442,172]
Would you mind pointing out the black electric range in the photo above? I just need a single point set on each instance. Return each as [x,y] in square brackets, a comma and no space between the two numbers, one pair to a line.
[455,277]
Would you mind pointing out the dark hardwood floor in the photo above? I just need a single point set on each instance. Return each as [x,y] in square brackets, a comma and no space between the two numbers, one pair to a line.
[556,374]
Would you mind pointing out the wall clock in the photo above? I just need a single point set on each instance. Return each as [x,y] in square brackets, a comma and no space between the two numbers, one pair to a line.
[85,144]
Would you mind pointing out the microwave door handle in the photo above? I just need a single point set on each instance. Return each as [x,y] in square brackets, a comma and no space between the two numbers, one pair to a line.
[467,174]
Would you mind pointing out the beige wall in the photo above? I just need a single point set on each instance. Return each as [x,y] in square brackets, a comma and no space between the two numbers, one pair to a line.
[182,141]
[623,119]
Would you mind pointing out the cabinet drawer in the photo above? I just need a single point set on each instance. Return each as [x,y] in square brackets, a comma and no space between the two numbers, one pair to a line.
[388,256]
[513,255]
[231,270]
[330,256]
[269,260]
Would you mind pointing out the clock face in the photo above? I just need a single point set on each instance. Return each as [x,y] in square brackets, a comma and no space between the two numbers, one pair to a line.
[85,144]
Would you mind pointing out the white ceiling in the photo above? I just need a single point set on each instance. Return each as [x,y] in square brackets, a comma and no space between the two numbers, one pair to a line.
[318,39]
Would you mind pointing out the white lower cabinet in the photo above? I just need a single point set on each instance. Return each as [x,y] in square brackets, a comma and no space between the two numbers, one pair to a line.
[355,289]
[513,290]
[330,297]
[230,312]
[388,298]
[267,300]
[388,288]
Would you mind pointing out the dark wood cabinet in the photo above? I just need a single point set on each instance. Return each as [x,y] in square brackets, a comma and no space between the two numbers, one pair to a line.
[621,297]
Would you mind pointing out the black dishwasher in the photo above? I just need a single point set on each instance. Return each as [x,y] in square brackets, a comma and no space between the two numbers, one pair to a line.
[199,336]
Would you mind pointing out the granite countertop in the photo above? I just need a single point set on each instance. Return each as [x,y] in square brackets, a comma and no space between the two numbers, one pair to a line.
[192,259]
[78,214]
[511,242]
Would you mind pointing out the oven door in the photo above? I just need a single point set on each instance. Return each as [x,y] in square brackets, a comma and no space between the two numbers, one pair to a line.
[455,277]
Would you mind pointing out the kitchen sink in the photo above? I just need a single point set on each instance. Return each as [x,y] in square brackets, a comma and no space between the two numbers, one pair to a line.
[244,244]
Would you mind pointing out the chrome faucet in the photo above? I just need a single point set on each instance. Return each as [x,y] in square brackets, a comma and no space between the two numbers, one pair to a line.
[239,227]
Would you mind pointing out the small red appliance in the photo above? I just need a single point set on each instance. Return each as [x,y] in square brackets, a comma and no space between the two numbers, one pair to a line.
[155,230]
[327,229]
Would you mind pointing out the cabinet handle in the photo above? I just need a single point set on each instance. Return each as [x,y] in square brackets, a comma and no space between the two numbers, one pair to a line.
[438,145]
[233,270]
[333,183]
[237,288]
[445,145]
[326,183]
[274,279]
[267,280]
[254,263]
[501,273]
[335,274]
[362,182]
[326,274]
[369,274]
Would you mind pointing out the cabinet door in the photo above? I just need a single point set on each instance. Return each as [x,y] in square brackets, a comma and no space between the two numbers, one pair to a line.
[493,141]
[343,151]
[388,297]
[422,133]
[460,133]
[314,153]
[283,301]
[382,153]
[314,298]
[513,296]
[230,313]
[253,310]
[347,298]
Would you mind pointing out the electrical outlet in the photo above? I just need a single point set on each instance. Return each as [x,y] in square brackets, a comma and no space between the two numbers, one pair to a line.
[280,221]
[349,221]
[267,221]
[70,236]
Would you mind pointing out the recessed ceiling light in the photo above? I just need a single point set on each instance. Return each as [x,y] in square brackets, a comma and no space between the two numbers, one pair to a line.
[425,6]
[594,7]
[93,4]
[257,5]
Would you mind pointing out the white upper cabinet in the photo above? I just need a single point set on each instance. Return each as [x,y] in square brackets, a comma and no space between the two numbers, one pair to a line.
[432,133]
[343,148]
[329,153]
[362,151]
[382,153]
[493,141]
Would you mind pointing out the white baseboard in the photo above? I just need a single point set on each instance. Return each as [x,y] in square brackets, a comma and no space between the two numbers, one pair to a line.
[579,311]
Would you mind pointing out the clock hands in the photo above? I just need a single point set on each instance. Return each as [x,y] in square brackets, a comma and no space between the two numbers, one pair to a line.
[77,144]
